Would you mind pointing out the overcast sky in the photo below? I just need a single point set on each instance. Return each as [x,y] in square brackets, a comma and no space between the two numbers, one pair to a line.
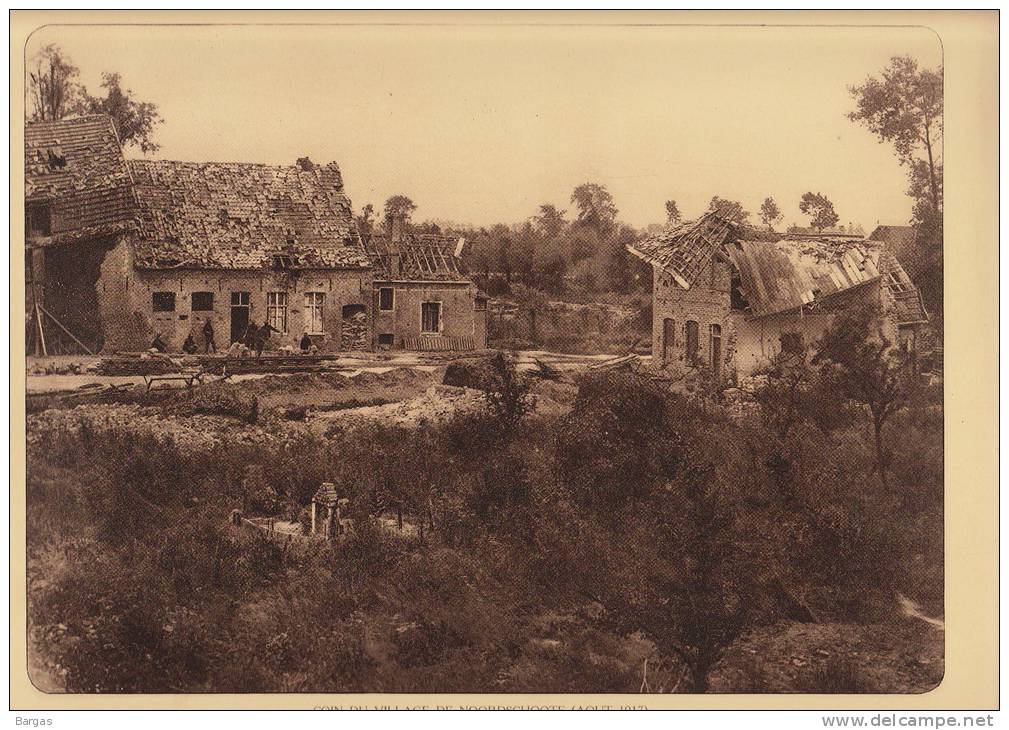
[481,125]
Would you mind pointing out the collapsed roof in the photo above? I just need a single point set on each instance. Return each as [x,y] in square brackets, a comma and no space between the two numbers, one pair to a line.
[243,216]
[75,166]
[684,250]
[779,274]
[416,256]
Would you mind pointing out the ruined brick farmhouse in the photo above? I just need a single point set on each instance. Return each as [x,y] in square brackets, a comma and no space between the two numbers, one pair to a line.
[121,251]
[727,298]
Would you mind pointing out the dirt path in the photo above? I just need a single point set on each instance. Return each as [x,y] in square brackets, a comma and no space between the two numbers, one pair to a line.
[349,366]
[913,610]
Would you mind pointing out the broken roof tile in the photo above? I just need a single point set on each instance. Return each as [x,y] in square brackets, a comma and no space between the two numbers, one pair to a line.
[778,274]
[239,216]
[76,166]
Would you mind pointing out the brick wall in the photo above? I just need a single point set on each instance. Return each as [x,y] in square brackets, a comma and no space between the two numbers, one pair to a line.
[126,296]
[458,315]
[707,303]
[747,345]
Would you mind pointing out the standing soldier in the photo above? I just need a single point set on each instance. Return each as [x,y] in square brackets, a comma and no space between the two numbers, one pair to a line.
[208,337]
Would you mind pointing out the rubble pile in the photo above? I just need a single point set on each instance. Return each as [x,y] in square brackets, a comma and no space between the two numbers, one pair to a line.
[192,434]
[739,404]
[60,368]
[469,374]
[439,404]
[145,364]
[354,333]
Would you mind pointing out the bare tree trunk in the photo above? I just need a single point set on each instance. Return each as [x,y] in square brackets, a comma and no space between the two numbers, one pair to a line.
[877,427]
[931,171]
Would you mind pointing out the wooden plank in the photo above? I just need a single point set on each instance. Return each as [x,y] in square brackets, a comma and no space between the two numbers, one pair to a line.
[65,330]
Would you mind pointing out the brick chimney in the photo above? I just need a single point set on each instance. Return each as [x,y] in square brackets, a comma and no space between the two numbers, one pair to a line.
[397,236]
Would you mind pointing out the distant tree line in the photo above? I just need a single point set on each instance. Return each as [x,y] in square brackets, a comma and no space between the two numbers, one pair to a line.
[584,253]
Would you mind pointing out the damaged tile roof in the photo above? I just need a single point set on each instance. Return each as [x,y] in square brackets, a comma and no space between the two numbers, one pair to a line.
[788,274]
[780,274]
[684,250]
[909,307]
[243,216]
[76,166]
[422,256]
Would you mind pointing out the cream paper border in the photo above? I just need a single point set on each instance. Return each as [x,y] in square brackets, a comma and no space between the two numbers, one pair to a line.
[970,51]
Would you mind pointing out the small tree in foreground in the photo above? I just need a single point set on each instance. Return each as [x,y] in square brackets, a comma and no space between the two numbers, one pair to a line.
[508,394]
[864,367]
[781,399]
[681,577]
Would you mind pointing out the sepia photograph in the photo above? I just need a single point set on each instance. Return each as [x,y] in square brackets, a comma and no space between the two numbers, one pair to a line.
[511,359]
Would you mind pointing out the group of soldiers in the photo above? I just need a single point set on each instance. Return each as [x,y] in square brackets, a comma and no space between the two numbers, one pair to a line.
[254,338]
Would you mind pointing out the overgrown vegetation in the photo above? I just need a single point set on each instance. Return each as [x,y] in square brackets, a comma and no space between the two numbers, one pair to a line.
[629,544]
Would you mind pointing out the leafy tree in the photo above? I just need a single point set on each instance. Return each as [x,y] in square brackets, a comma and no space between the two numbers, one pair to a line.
[770,214]
[52,84]
[500,243]
[905,108]
[619,272]
[864,367]
[549,268]
[696,592]
[819,209]
[508,394]
[399,207]
[595,206]
[672,212]
[134,120]
[623,438]
[55,93]
[729,208]
[366,220]
[477,257]
[523,251]
[549,222]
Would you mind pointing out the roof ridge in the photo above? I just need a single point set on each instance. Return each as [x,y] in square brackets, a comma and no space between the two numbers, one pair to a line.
[69,119]
[235,163]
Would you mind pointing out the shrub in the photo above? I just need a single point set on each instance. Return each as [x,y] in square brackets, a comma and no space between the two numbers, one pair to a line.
[219,400]
[836,676]
[508,394]
[623,438]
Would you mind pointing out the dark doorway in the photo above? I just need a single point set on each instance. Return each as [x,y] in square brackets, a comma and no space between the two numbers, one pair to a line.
[692,343]
[239,314]
[68,289]
[668,340]
[716,350]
